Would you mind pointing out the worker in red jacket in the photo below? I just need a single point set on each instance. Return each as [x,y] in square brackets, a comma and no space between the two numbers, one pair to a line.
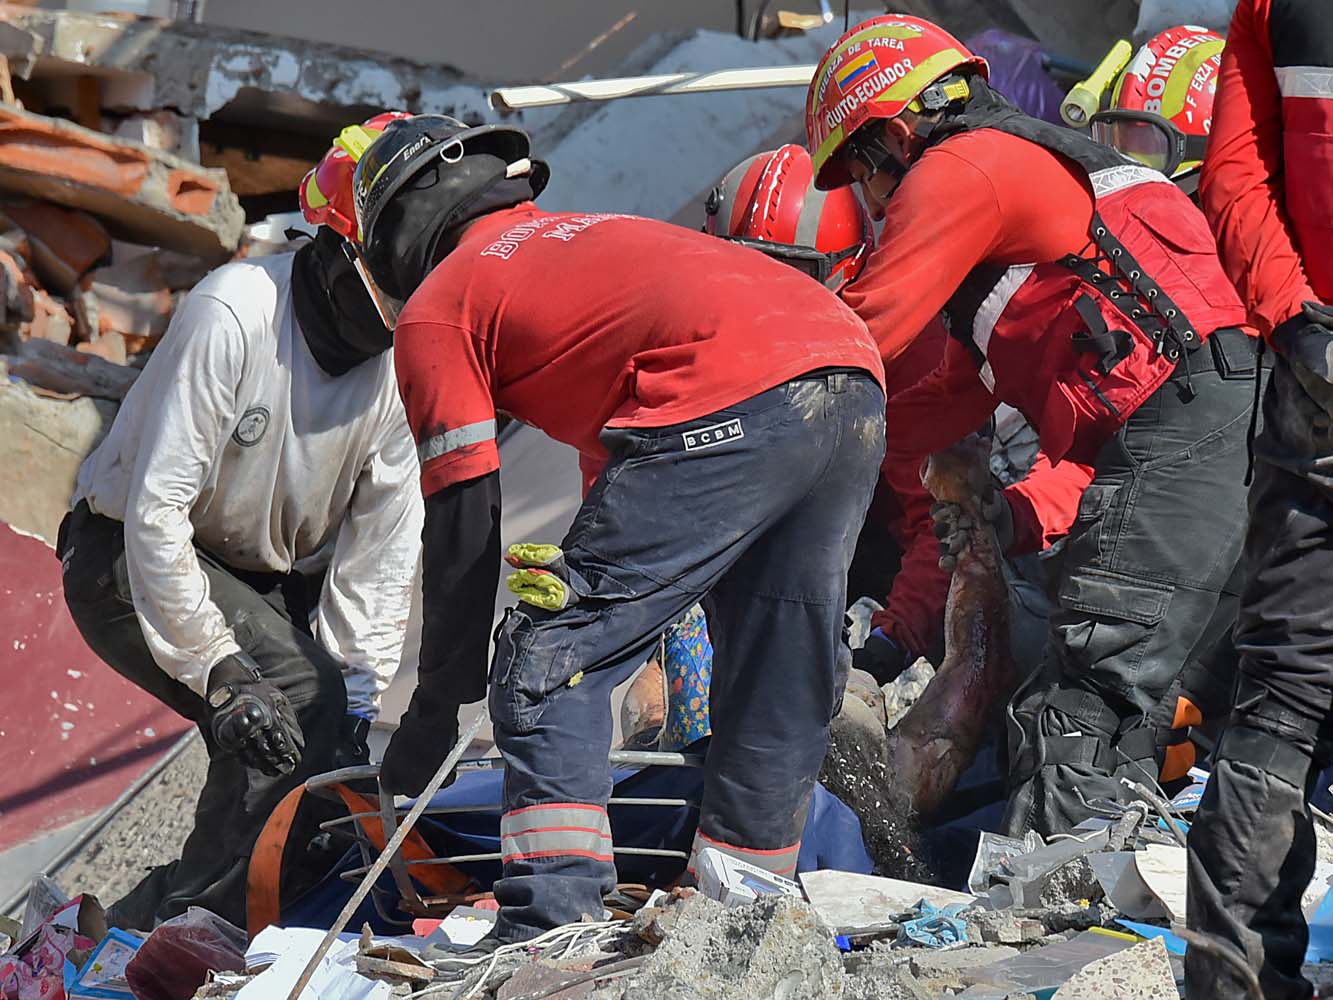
[1267,188]
[739,410]
[1083,289]
[769,202]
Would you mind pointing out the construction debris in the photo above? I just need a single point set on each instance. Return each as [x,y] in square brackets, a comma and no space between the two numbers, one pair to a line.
[141,194]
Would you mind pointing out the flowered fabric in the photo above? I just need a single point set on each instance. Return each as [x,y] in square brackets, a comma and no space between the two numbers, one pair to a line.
[689,669]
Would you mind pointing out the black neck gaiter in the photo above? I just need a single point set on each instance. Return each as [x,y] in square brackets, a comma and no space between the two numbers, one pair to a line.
[337,318]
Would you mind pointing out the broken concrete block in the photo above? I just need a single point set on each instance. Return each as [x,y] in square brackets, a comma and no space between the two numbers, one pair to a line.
[902,693]
[862,686]
[140,194]
[66,244]
[776,947]
[1003,927]
[65,370]
[851,903]
[16,306]
[1142,972]
[109,346]
[44,441]
[50,320]
[953,969]
[162,129]
[134,299]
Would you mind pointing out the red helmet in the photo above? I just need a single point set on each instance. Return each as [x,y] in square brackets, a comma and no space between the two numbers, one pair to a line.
[326,192]
[876,70]
[1162,105]
[769,201]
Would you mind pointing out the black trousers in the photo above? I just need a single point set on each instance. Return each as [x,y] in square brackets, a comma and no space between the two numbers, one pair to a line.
[234,802]
[1252,845]
[1149,583]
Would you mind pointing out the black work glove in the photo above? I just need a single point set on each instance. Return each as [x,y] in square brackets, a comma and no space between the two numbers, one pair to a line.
[882,657]
[952,525]
[251,718]
[1306,341]
[353,748]
[426,733]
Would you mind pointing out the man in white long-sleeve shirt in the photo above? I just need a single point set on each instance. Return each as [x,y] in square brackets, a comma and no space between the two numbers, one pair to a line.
[264,448]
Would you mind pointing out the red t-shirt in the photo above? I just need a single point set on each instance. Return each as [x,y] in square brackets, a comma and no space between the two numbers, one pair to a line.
[577,322]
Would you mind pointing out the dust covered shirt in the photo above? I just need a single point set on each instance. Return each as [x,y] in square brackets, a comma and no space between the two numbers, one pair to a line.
[577,322]
[234,437]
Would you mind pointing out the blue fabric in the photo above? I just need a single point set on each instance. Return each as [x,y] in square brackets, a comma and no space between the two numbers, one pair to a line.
[831,839]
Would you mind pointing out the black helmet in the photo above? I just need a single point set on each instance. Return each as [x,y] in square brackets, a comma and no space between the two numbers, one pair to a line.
[449,169]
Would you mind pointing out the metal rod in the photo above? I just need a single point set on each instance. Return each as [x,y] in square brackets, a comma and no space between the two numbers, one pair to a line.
[382,862]
[579,91]
[330,824]
[460,859]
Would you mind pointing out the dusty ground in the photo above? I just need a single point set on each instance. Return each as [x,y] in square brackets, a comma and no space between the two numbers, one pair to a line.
[148,831]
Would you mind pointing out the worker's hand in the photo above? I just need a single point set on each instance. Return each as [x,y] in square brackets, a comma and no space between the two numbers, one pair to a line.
[426,733]
[251,718]
[952,526]
[541,577]
[1306,341]
[353,746]
[882,657]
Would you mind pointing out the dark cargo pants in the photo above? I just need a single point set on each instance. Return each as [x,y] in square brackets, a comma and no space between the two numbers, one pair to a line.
[755,511]
[234,802]
[1149,583]
[1252,845]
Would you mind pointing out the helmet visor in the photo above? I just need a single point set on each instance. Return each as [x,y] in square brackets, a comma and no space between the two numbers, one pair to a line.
[385,304]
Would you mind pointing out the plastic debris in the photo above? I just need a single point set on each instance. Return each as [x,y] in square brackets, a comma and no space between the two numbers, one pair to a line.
[993,852]
[1174,943]
[735,883]
[937,927]
[1320,948]
[179,955]
[104,974]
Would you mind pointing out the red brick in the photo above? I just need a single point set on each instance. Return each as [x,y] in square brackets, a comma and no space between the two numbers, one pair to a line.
[66,244]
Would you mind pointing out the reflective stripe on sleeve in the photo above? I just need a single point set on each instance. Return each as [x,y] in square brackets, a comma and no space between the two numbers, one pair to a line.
[438,445]
[1305,81]
[556,829]
[779,861]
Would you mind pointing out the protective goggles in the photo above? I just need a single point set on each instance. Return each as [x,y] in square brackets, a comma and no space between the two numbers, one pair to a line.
[1148,138]
[868,149]
[807,260]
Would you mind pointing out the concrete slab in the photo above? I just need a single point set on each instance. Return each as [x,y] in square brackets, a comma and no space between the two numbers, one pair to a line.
[140,194]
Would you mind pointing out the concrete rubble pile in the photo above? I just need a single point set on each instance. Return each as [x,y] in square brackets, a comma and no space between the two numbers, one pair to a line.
[1088,917]
[100,237]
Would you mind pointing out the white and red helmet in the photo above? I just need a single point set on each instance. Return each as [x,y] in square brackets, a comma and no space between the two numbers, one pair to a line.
[1161,108]
[769,201]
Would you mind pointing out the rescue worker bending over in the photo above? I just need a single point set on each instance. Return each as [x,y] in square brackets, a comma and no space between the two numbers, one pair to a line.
[1084,290]
[264,448]
[769,202]
[1267,188]
[738,412]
